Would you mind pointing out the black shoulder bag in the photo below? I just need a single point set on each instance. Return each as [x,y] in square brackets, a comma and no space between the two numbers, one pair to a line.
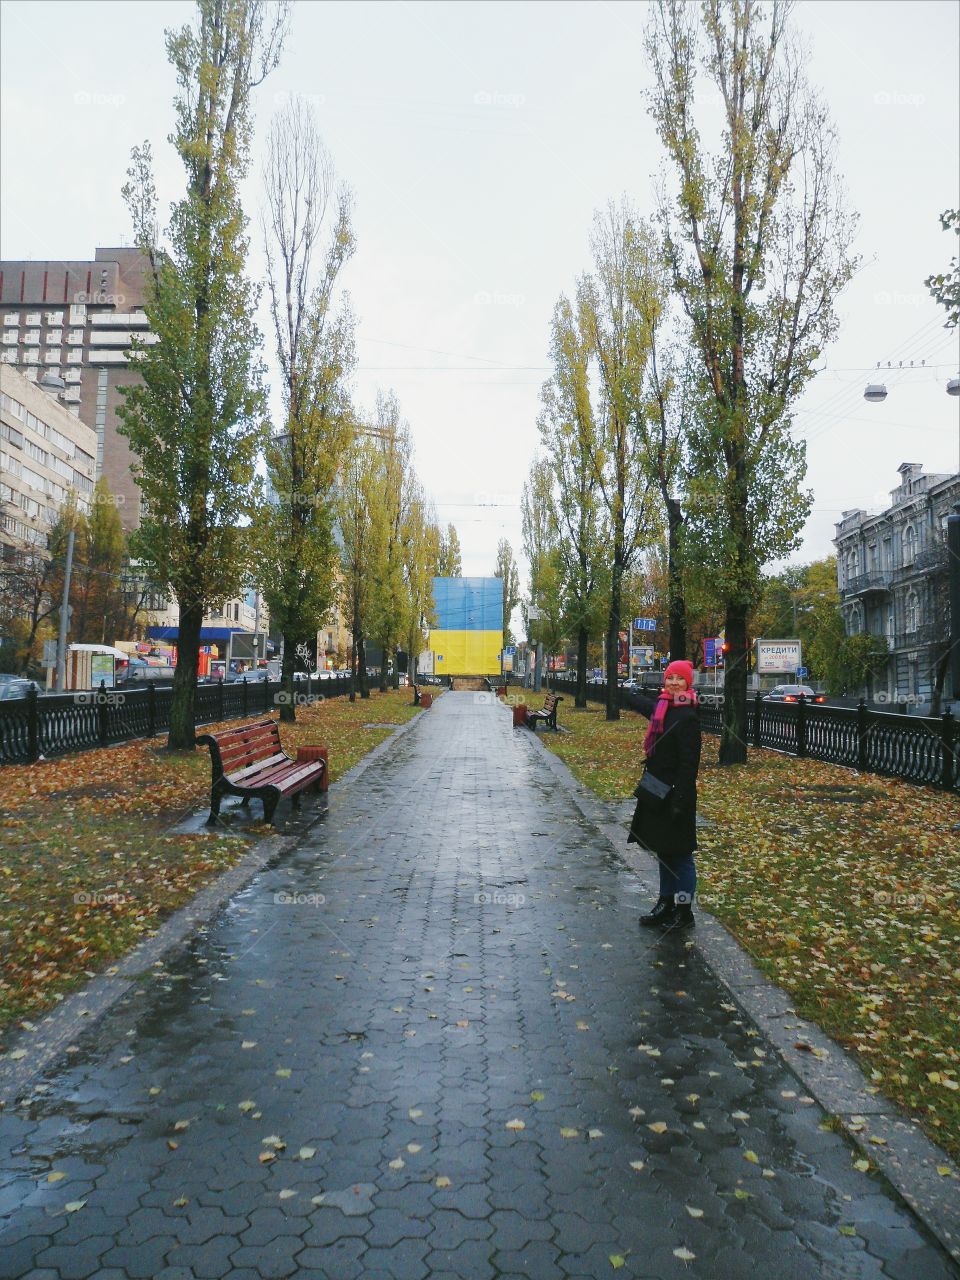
[651,790]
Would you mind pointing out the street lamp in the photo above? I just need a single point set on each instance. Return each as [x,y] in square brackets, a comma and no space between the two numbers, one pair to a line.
[876,392]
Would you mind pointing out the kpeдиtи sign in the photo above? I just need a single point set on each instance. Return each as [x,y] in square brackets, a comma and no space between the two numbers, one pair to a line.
[778,657]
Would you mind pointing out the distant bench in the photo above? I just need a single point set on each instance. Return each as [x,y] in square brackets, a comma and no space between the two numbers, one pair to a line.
[250,762]
[547,715]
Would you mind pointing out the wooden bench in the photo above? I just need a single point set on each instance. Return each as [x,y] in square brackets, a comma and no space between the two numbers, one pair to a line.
[548,713]
[250,762]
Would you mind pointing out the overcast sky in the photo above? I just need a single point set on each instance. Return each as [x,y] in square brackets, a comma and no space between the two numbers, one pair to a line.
[479,139]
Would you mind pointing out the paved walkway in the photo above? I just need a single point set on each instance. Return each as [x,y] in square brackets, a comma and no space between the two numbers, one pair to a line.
[465,1060]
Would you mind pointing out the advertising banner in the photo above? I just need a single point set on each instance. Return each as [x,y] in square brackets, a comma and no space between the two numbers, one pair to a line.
[778,657]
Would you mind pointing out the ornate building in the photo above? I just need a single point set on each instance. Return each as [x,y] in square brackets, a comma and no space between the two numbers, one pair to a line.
[893,577]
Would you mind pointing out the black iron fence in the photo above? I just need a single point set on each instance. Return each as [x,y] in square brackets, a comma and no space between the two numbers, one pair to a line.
[53,724]
[918,749]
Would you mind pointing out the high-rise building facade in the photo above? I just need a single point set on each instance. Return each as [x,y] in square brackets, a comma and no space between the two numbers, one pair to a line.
[77,319]
[45,451]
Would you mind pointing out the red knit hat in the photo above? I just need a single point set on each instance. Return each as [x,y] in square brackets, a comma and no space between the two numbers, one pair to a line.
[681,668]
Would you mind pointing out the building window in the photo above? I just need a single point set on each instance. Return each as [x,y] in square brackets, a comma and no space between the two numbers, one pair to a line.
[10,338]
[31,355]
[75,337]
[54,336]
[13,407]
[78,313]
[12,317]
[32,317]
[36,453]
[54,317]
[8,357]
[32,337]
[53,357]
[909,544]
[74,357]
[912,612]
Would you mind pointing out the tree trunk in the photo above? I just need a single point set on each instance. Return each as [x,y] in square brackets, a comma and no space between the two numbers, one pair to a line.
[580,700]
[678,605]
[613,644]
[362,667]
[183,730]
[733,736]
[353,666]
[288,706]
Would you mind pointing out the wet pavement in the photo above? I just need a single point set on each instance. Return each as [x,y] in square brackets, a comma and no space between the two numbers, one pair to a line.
[431,1041]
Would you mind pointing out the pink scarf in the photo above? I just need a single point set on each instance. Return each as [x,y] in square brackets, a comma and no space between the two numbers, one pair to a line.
[686,699]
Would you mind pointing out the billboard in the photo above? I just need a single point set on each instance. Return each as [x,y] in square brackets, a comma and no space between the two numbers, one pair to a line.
[468,635]
[778,657]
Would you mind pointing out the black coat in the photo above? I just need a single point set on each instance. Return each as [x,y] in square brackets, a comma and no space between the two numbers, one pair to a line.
[670,831]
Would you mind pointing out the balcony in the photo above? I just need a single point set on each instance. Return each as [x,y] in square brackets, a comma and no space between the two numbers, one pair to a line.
[928,633]
[865,584]
[933,559]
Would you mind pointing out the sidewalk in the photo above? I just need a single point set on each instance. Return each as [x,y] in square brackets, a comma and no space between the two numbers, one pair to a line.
[430,1040]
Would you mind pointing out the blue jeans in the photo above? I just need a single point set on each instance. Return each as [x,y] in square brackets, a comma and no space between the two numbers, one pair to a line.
[678,876]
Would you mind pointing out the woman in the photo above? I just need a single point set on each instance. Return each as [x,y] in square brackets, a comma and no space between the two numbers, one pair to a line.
[668,828]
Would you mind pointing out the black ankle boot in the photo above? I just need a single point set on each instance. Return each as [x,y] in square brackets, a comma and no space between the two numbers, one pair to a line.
[662,914]
[682,917]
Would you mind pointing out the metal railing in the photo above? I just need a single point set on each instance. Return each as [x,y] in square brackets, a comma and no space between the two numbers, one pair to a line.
[54,724]
[920,749]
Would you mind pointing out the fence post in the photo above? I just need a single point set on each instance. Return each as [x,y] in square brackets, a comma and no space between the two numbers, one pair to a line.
[862,736]
[220,704]
[948,772]
[244,701]
[33,724]
[102,725]
[802,726]
[151,709]
[757,712]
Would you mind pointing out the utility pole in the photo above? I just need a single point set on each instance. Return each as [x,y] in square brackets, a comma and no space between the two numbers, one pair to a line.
[64,618]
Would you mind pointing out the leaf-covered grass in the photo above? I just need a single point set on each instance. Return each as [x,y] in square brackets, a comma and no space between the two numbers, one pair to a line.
[843,887]
[89,866]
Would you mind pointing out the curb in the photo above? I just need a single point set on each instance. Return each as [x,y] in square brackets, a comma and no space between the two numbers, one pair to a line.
[55,1033]
[908,1158]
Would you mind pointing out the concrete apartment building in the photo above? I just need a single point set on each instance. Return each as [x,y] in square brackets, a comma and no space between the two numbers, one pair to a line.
[76,319]
[45,450]
[893,576]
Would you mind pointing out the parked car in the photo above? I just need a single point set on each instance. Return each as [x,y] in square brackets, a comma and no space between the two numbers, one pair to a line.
[12,687]
[140,673]
[792,692]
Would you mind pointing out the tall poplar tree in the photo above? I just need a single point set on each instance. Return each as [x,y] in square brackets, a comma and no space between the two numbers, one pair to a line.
[758,244]
[195,421]
[307,216]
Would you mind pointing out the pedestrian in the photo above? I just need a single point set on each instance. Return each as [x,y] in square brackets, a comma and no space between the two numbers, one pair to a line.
[668,827]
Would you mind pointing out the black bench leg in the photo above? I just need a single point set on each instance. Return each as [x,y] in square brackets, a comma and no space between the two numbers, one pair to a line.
[215,798]
[244,802]
[295,800]
[270,807]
